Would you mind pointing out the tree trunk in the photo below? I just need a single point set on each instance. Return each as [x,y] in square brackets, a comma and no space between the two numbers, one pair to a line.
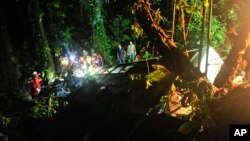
[202,34]
[173,19]
[10,72]
[232,64]
[176,61]
[190,19]
[209,33]
[183,29]
[100,38]
[44,50]
[81,10]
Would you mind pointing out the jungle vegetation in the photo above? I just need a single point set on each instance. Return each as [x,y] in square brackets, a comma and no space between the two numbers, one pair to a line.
[33,31]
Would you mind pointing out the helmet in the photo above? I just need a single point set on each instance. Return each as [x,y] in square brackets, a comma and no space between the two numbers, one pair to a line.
[34,73]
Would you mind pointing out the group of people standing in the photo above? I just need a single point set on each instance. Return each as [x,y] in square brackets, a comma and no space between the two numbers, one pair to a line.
[80,64]
[85,62]
[68,65]
[131,53]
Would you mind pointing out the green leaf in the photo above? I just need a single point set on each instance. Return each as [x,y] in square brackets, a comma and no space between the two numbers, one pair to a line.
[206,3]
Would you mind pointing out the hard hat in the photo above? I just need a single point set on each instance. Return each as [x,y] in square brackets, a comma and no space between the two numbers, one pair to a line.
[34,73]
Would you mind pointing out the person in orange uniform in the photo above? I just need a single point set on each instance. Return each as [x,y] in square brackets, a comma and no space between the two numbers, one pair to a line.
[35,84]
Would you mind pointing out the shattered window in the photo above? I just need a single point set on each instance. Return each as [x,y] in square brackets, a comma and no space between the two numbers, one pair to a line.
[127,68]
[109,70]
[122,69]
[118,69]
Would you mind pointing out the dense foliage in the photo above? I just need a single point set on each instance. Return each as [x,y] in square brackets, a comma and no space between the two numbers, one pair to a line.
[33,31]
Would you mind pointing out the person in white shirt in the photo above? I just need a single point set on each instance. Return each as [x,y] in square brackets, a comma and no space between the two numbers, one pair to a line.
[131,51]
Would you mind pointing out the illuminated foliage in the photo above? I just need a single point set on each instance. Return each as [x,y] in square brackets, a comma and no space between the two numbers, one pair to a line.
[158,16]
[46,107]
[218,30]
[159,75]
[201,115]
[147,55]
[119,29]
[138,31]
[99,35]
